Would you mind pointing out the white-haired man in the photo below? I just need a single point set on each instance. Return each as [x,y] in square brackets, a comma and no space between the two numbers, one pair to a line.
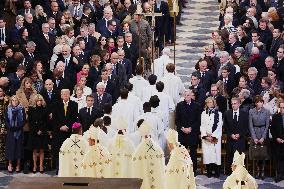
[159,66]
[101,97]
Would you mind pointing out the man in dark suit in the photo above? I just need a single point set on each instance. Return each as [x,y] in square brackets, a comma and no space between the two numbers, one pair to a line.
[65,114]
[253,82]
[30,56]
[51,97]
[125,62]
[27,9]
[15,80]
[109,85]
[32,27]
[188,115]
[4,32]
[236,126]
[102,23]
[53,10]
[118,70]
[70,64]
[224,61]
[161,21]
[220,100]
[120,44]
[228,80]
[89,114]
[276,42]
[90,41]
[96,10]
[131,51]
[45,44]
[60,82]
[195,85]
[112,31]
[101,97]
[233,43]
[277,132]
[206,76]
[279,64]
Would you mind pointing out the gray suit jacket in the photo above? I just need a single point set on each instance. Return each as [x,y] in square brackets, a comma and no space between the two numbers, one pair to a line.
[259,123]
[80,11]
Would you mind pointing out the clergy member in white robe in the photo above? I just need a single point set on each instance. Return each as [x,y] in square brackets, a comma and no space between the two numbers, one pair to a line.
[166,105]
[136,137]
[72,152]
[240,178]
[159,66]
[179,171]
[132,98]
[103,137]
[211,135]
[155,103]
[96,162]
[148,161]
[153,119]
[121,149]
[150,90]
[139,83]
[173,84]
[125,109]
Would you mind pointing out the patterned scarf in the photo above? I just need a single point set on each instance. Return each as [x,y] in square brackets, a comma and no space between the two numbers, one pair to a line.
[15,116]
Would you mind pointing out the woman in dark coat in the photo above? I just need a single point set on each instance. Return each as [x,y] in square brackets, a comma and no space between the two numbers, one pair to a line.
[38,140]
[15,119]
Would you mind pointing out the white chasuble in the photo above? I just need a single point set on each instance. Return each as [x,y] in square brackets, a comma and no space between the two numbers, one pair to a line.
[149,164]
[71,154]
[96,162]
[179,171]
[121,150]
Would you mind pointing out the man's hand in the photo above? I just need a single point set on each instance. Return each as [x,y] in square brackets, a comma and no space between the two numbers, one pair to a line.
[261,140]
[39,132]
[279,140]
[255,141]
[64,128]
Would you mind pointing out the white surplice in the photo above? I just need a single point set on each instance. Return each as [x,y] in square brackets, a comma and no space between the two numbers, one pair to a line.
[148,92]
[71,154]
[166,106]
[173,86]
[139,83]
[211,152]
[121,149]
[156,123]
[133,99]
[126,110]
[160,65]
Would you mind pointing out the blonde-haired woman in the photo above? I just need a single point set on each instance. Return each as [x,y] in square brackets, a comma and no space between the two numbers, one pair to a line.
[38,139]
[211,133]
[40,15]
[25,92]
[15,119]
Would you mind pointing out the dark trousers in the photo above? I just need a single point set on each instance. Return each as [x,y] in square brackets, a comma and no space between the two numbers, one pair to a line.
[280,159]
[231,148]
